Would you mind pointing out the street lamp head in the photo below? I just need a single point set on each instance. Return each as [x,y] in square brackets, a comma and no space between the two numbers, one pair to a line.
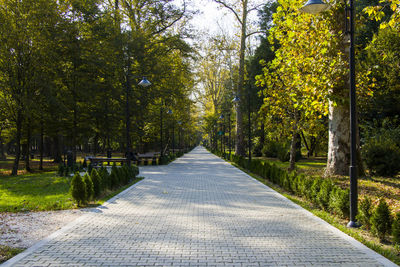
[144,82]
[314,7]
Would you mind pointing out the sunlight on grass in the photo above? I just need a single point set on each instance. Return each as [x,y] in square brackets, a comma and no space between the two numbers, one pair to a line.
[35,192]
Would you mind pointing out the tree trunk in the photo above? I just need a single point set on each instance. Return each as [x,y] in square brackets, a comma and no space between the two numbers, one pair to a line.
[28,148]
[293,146]
[2,154]
[17,143]
[240,145]
[339,140]
[41,145]
[56,149]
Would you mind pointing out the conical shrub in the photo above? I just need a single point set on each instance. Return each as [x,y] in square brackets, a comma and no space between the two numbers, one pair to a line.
[365,213]
[97,184]
[396,229]
[78,189]
[89,187]
[381,221]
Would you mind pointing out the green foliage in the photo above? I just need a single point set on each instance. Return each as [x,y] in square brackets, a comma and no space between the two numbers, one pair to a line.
[396,229]
[365,212]
[78,189]
[271,149]
[339,201]
[97,183]
[315,187]
[90,168]
[89,187]
[322,197]
[382,157]
[105,178]
[114,177]
[381,220]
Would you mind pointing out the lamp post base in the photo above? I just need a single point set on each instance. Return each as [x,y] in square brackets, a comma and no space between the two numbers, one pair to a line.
[353,224]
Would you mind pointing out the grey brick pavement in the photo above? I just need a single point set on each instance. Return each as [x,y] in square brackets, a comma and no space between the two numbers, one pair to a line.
[198,211]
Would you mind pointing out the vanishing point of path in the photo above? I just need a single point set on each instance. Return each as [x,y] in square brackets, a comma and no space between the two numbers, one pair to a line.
[198,211]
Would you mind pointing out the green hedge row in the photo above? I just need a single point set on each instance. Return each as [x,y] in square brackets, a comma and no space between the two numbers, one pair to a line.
[91,187]
[323,193]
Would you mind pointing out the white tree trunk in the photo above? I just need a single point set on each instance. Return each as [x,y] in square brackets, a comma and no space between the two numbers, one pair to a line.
[339,140]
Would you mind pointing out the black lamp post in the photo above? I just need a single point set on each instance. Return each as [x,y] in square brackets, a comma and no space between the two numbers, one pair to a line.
[143,83]
[222,118]
[179,135]
[314,7]
[235,101]
[229,135]
[161,128]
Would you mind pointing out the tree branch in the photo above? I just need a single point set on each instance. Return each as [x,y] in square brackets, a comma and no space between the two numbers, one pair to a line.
[252,33]
[231,9]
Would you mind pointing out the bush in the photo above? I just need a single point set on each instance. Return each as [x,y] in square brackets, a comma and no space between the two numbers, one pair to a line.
[322,197]
[382,157]
[365,212]
[271,149]
[396,229]
[339,201]
[105,178]
[90,167]
[78,189]
[97,183]
[315,187]
[381,221]
[89,187]
[284,154]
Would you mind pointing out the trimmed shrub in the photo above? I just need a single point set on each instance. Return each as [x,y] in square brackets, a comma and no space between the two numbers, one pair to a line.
[78,189]
[381,221]
[315,187]
[339,201]
[105,178]
[322,197]
[89,186]
[90,167]
[365,212]
[97,183]
[396,229]
[114,181]
[382,157]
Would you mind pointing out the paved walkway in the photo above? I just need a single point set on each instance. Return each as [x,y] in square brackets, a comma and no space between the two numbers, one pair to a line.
[198,211]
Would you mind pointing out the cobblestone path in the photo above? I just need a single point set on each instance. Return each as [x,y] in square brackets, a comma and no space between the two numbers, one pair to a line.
[198,211]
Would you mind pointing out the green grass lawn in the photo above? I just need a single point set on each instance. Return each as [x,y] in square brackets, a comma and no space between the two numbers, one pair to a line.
[35,192]
[40,192]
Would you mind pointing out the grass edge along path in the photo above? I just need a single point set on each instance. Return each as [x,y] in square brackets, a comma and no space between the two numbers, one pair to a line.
[7,252]
[329,218]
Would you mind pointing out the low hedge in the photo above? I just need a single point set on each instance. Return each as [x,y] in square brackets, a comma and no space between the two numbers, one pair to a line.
[91,186]
[326,195]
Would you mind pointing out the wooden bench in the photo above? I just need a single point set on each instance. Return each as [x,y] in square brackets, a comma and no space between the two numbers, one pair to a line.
[147,157]
[98,162]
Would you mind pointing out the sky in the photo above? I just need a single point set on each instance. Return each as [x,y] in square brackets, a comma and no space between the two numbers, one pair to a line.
[211,17]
